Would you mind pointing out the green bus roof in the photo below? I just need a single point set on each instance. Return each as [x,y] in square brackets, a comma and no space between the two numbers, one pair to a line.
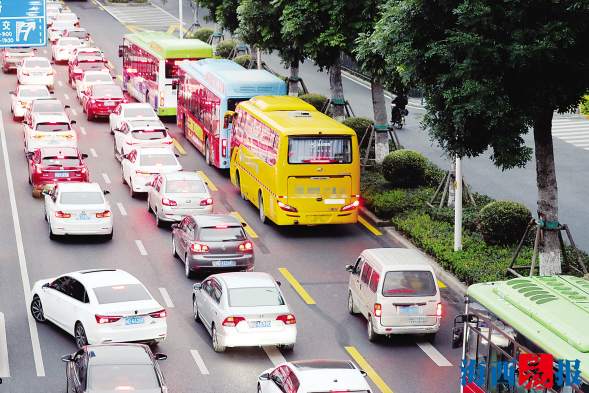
[551,311]
[167,46]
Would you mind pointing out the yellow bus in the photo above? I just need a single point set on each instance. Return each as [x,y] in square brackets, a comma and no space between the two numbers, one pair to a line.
[297,165]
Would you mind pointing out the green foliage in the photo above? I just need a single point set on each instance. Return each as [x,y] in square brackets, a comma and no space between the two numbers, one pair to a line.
[223,12]
[202,34]
[358,124]
[317,100]
[503,222]
[397,201]
[470,216]
[244,60]
[224,48]
[584,105]
[405,168]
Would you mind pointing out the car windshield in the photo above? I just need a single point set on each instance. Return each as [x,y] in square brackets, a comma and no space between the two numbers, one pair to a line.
[185,186]
[19,50]
[52,127]
[139,112]
[42,63]
[157,159]
[62,25]
[221,234]
[98,78]
[77,34]
[68,17]
[81,198]
[72,41]
[92,65]
[253,297]
[409,284]
[47,106]
[121,293]
[34,92]
[122,377]
[149,135]
[108,91]
[61,161]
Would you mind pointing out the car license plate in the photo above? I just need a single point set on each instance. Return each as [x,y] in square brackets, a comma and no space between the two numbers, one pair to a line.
[224,263]
[109,103]
[38,73]
[409,310]
[134,320]
[62,174]
[417,320]
[260,324]
[83,216]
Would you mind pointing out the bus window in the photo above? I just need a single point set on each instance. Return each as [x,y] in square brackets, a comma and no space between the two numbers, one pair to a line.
[172,68]
[319,150]
[232,103]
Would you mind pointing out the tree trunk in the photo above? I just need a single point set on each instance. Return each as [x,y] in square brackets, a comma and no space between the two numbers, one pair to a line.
[293,80]
[550,262]
[380,120]
[337,91]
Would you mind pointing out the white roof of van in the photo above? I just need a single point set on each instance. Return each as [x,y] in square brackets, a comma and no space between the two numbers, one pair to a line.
[398,258]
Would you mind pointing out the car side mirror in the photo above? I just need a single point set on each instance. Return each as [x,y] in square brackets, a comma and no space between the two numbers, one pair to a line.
[84,156]
[197,286]
[177,155]
[279,283]
[364,373]
[243,224]
[106,192]
[264,377]
[121,48]
[67,107]
[46,285]
[67,358]
[29,155]
[350,268]
[73,122]
[12,92]
[160,356]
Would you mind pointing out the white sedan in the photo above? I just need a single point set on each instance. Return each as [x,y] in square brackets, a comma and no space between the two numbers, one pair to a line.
[23,96]
[100,306]
[49,129]
[58,29]
[130,111]
[244,309]
[140,166]
[92,78]
[36,71]
[63,49]
[135,134]
[78,209]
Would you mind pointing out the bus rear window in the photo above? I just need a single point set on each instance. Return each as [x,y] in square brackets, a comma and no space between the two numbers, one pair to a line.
[319,150]
[408,284]
[172,68]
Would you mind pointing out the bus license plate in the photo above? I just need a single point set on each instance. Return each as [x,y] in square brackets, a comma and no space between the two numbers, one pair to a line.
[224,263]
[62,174]
[134,320]
[83,216]
[260,324]
[409,310]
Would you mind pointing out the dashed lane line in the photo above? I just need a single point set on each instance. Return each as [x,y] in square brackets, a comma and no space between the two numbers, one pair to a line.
[67,97]
[166,297]
[4,366]
[93,152]
[74,112]
[274,355]
[106,178]
[60,83]
[22,262]
[297,286]
[141,247]
[83,130]
[121,209]
[434,354]
[368,226]
[247,227]
[211,185]
[370,372]
[179,147]
[199,362]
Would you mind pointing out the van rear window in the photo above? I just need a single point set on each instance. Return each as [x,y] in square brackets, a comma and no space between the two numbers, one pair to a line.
[408,284]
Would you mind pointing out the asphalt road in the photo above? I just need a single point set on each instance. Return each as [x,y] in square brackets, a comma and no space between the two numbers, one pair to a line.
[315,256]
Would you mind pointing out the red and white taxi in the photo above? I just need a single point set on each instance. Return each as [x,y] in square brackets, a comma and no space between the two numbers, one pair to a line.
[101,100]
[51,165]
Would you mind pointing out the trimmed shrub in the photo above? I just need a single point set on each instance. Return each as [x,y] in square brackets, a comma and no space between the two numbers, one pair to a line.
[405,168]
[224,48]
[433,174]
[503,222]
[244,60]
[202,34]
[358,124]
[317,100]
[397,201]
[470,216]
[584,105]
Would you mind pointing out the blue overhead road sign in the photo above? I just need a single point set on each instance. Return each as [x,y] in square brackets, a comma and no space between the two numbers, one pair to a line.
[22,23]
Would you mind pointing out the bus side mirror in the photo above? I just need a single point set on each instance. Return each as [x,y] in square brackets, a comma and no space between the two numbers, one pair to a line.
[121,50]
[457,337]
[228,118]
[175,84]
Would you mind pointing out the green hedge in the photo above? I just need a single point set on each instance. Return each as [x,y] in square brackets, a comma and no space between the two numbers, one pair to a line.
[224,48]
[317,100]
[360,125]
[397,201]
[202,34]
[405,168]
[244,60]
[503,222]
[584,105]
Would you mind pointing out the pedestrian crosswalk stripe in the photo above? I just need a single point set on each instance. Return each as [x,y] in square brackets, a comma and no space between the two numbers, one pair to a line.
[572,130]
[146,17]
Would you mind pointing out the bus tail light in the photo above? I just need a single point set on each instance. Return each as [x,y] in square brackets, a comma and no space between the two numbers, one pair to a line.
[206,202]
[199,248]
[224,147]
[288,319]
[377,310]
[351,206]
[232,321]
[246,246]
[60,214]
[168,202]
[286,207]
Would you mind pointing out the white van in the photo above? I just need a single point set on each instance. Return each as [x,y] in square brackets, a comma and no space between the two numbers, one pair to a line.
[396,290]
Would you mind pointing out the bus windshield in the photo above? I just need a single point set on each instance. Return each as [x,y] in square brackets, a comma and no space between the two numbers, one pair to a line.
[320,150]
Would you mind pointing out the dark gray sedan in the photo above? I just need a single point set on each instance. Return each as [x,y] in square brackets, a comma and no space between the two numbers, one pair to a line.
[113,368]
[212,242]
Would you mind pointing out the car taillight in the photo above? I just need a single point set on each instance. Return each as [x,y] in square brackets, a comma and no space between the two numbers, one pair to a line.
[232,321]
[130,143]
[439,310]
[351,206]
[138,172]
[288,319]
[84,170]
[286,207]
[159,314]
[104,214]
[377,310]
[224,147]
[60,214]
[168,202]
[206,202]
[246,246]
[199,248]
[38,169]
[168,142]
[102,319]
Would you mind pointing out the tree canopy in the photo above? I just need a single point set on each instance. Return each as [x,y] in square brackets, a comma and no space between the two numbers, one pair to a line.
[223,12]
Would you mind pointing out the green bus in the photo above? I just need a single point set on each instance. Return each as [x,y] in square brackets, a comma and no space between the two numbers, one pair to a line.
[526,315]
[150,66]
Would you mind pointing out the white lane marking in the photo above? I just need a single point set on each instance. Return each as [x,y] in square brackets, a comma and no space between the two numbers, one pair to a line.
[106,178]
[434,354]
[140,247]
[45,51]
[67,97]
[275,355]
[121,209]
[75,113]
[60,83]
[167,298]
[4,366]
[24,274]
[93,152]
[83,130]
[199,362]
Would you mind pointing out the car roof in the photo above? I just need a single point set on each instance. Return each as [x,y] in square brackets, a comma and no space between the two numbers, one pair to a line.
[32,87]
[79,186]
[58,151]
[328,375]
[397,258]
[246,279]
[77,29]
[152,124]
[211,220]
[51,117]
[182,176]
[94,278]
[136,105]
[113,354]
[154,150]
[31,58]
[96,72]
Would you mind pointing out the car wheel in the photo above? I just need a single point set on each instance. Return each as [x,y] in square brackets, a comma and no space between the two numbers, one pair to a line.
[158,222]
[238,181]
[37,310]
[351,307]
[287,347]
[109,236]
[207,152]
[259,388]
[195,310]
[149,209]
[131,192]
[261,208]
[217,347]
[80,335]
[89,115]
[187,271]
[52,236]
[372,336]
[174,251]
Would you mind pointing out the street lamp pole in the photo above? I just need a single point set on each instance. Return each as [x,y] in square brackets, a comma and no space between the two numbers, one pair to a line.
[180,26]
[458,206]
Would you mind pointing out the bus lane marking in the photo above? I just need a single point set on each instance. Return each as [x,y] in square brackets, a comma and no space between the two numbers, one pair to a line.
[211,185]
[366,224]
[179,147]
[370,372]
[4,366]
[296,286]
[434,354]
[199,362]
[247,227]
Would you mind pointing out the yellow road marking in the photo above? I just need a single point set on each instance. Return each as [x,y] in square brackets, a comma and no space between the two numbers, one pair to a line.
[247,228]
[296,285]
[441,284]
[120,77]
[373,375]
[179,147]
[132,28]
[369,227]
[171,29]
[211,185]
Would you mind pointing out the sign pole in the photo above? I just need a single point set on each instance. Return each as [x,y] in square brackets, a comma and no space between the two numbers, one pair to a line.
[181,24]
[458,206]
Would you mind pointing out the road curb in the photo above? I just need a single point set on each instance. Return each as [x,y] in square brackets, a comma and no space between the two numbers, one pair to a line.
[451,281]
